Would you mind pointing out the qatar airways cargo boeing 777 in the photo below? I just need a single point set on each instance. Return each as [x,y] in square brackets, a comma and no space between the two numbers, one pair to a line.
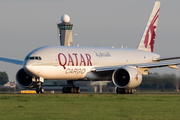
[124,67]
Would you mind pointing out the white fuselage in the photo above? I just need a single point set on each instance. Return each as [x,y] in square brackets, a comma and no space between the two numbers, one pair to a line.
[73,63]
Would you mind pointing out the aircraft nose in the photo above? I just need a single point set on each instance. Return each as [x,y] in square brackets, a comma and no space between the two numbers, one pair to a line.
[28,69]
[32,68]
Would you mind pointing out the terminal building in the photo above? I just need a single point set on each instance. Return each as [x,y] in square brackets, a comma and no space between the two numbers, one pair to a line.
[65,31]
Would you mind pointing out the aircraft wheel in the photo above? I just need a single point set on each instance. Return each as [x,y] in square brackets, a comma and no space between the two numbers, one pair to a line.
[77,90]
[132,91]
[72,90]
[126,91]
[37,90]
[64,90]
[117,90]
[41,90]
[120,90]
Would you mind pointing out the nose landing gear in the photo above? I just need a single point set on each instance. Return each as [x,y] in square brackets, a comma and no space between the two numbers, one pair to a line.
[39,89]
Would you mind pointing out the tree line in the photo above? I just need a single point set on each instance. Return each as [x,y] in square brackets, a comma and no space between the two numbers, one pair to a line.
[3,78]
[160,82]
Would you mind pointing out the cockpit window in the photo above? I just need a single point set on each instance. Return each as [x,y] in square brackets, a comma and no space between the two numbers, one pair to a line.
[27,58]
[36,58]
[33,58]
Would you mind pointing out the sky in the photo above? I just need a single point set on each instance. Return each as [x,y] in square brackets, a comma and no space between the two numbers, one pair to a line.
[29,24]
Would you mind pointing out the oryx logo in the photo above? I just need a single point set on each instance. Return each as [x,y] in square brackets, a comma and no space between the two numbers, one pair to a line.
[150,35]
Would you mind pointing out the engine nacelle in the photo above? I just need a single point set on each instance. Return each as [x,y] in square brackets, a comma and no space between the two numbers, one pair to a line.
[127,77]
[24,80]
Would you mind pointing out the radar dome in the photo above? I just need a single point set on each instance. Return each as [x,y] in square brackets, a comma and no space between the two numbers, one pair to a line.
[65,18]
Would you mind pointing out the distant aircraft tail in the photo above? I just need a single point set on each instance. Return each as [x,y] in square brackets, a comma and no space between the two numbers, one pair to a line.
[148,38]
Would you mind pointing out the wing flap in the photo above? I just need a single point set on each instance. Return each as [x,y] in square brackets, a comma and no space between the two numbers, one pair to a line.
[11,60]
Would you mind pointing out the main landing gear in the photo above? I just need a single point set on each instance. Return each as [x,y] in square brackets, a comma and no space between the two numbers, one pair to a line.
[124,91]
[71,89]
[39,89]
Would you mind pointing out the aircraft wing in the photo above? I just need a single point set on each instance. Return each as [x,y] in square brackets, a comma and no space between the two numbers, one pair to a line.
[165,58]
[107,68]
[11,60]
[169,63]
[172,63]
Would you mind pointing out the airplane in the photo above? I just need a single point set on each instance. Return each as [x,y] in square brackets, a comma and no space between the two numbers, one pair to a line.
[123,66]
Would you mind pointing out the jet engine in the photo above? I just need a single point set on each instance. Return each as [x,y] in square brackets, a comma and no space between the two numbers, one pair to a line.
[127,77]
[24,80]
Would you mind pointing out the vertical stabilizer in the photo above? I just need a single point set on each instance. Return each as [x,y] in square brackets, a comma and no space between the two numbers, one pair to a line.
[148,38]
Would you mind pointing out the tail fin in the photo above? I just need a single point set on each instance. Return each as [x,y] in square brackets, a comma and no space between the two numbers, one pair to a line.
[148,38]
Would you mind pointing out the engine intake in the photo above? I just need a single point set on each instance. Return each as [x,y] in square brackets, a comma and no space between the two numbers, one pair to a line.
[127,77]
[24,80]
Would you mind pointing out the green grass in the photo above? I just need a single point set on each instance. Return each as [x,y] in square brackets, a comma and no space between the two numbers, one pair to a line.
[89,107]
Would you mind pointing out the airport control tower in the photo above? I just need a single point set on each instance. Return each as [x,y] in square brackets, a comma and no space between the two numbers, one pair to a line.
[65,31]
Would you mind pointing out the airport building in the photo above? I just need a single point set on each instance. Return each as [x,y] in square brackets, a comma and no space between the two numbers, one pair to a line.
[65,31]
